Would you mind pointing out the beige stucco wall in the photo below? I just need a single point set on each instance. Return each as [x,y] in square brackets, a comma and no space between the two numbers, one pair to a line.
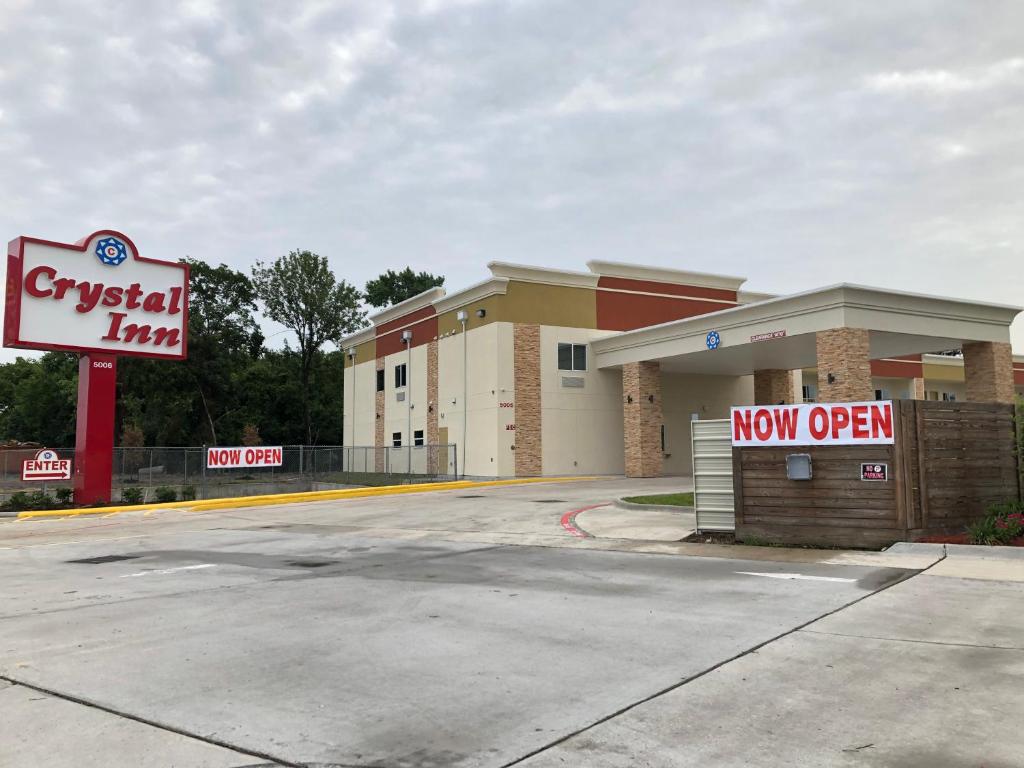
[581,429]
[362,409]
[710,397]
[488,450]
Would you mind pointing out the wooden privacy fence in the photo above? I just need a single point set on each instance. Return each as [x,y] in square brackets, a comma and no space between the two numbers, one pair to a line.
[949,462]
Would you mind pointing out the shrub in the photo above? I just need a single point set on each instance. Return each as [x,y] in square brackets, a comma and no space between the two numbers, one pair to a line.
[64,496]
[1003,523]
[40,500]
[131,495]
[19,502]
[163,494]
[188,493]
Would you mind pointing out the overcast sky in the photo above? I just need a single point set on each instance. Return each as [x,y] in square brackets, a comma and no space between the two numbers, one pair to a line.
[798,144]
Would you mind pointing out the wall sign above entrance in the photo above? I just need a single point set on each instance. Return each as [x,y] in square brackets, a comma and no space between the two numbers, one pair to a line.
[767,336]
[825,424]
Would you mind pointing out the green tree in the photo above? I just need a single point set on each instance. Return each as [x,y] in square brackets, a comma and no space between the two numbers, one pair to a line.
[393,287]
[38,398]
[299,291]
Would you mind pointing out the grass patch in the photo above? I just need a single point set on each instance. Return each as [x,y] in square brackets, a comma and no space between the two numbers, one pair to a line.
[667,499]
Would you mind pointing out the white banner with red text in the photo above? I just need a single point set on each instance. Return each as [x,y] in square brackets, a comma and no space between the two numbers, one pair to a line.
[244,456]
[868,423]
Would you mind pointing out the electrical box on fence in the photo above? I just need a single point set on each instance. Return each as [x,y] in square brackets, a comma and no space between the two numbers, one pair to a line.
[798,466]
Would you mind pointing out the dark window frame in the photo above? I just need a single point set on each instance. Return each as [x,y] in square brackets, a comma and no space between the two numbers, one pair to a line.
[401,376]
[396,439]
[380,379]
[577,356]
[417,438]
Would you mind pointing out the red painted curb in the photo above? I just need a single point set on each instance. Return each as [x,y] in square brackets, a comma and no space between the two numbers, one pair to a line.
[569,521]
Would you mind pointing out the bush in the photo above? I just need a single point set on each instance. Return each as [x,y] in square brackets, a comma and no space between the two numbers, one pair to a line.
[163,494]
[19,502]
[188,493]
[131,495]
[1003,523]
[64,496]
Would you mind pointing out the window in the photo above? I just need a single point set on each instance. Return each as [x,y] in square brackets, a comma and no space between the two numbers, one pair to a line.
[396,439]
[949,397]
[879,394]
[809,393]
[572,357]
[380,380]
[417,437]
[399,376]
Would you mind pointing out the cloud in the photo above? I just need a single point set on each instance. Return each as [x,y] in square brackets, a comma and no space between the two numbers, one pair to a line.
[943,81]
[796,143]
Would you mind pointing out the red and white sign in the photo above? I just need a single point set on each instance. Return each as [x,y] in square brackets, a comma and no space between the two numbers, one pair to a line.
[46,465]
[97,295]
[234,458]
[813,424]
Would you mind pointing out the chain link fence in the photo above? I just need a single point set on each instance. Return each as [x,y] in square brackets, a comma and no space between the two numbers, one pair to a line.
[149,474]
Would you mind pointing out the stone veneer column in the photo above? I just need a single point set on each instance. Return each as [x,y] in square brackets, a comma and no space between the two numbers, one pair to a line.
[642,418]
[844,353]
[378,424]
[773,386]
[988,372]
[917,388]
[432,406]
[526,363]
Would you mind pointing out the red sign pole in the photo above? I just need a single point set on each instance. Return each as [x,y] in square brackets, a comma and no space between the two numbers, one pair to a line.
[94,435]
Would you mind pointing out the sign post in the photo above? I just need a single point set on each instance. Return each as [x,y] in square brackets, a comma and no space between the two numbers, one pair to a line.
[101,299]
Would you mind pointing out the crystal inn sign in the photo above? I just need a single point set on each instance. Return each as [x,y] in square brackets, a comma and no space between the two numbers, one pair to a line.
[99,298]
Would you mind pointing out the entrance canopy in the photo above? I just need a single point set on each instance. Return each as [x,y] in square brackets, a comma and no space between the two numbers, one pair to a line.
[780,333]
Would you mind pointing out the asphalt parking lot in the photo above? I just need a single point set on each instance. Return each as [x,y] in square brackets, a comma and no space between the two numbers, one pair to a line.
[463,629]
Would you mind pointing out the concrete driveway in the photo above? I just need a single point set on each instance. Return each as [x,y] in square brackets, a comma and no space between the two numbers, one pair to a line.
[473,629]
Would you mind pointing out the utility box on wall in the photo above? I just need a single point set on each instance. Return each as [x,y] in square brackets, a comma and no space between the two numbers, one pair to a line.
[947,463]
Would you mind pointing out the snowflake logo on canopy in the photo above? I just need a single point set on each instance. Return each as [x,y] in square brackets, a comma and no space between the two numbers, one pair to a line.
[713,340]
[111,251]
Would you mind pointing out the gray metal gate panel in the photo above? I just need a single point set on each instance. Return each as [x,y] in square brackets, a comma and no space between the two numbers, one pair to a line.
[712,475]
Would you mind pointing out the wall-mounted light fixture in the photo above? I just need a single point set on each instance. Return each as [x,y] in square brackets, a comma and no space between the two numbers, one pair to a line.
[462,315]
[650,398]
[831,378]
[351,352]
[481,313]
[406,336]
[629,398]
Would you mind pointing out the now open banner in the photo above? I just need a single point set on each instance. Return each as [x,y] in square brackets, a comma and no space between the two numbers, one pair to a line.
[813,424]
[235,458]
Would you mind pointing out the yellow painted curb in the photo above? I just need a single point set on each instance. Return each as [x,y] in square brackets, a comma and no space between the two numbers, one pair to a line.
[295,498]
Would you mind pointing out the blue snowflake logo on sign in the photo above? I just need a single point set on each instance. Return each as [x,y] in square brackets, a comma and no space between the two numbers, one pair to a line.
[714,341]
[111,251]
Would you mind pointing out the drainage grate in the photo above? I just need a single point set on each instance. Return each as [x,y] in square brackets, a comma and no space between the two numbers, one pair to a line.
[105,559]
[549,501]
[310,563]
[471,496]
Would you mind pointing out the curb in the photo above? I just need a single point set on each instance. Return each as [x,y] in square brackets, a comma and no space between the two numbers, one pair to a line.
[293,498]
[623,504]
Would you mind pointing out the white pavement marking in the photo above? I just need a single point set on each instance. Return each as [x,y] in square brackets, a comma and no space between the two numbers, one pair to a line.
[170,570]
[803,576]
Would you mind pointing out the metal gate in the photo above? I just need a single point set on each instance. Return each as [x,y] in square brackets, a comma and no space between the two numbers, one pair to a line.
[712,475]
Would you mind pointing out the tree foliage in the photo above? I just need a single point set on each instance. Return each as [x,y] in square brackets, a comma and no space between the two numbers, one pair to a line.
[393,287]
[299,291]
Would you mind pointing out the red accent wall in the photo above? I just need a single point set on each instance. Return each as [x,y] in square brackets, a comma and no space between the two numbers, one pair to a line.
[908,367]
[628,311]
[1018,376]
[389,337]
